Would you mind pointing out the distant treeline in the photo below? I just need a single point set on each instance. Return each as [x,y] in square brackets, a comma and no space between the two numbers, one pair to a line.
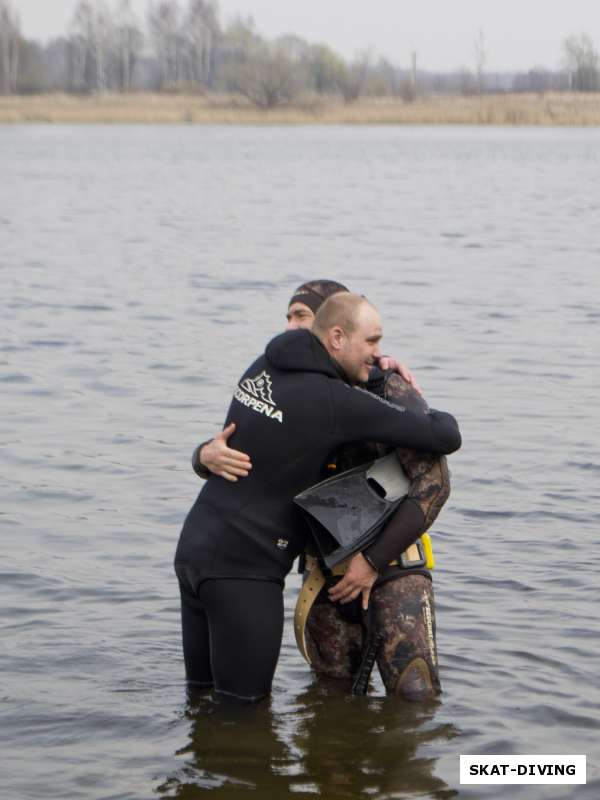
[183,47]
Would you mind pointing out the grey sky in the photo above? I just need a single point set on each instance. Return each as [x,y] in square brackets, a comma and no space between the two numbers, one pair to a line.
[518,33]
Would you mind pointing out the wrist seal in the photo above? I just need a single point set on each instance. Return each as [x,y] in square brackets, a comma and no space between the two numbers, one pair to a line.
[370,562]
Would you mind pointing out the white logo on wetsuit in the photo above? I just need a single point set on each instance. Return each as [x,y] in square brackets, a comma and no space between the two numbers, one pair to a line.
[395,406]
[255,393]
[259,386]
[429,626]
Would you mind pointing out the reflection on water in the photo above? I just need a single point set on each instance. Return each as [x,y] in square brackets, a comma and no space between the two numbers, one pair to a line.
[323,744]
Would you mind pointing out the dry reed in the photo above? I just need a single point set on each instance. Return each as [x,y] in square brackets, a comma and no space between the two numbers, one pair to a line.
[510,109]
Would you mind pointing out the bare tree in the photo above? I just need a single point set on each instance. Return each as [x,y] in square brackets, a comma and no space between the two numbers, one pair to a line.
[55,64]
[10,40]
[326,71]
[539,79]
[241,41]
[201,33]
[357,76]
[480,58]
[92,42]
[268,78]
[384,79]
[581,59]
[239,45]
[165,25]
[128,44]
[295,46]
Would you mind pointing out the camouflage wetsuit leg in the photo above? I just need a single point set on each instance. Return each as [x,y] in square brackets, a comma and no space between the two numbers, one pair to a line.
[404,609]
[334,642]
[407,659]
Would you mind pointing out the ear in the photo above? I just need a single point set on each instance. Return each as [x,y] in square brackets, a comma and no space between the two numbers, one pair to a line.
[336,337]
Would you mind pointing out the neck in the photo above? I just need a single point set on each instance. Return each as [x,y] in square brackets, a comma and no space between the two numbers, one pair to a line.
[338,367]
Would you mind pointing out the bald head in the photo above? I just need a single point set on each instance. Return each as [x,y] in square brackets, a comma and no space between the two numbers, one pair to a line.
[350,329]
[340,309]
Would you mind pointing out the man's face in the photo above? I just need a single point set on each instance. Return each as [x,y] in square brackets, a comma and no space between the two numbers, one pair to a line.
[299,316]
[358,350]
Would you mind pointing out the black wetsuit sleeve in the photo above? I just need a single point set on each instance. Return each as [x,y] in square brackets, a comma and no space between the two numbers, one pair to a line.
[361,416]
[404,528]
[377,381]
[199,468]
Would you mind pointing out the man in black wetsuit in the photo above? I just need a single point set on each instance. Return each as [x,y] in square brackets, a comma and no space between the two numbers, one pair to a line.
[292,407]
[331,631]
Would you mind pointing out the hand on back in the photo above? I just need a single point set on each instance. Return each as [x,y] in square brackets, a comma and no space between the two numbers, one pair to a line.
[223,460]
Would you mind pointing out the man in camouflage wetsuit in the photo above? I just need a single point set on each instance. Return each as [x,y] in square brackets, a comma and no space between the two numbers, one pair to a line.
[401,601]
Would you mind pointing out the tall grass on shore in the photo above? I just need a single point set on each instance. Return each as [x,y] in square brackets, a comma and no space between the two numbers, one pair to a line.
[508,109]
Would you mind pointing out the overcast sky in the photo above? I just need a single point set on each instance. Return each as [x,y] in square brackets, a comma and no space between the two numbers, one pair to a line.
[518,34]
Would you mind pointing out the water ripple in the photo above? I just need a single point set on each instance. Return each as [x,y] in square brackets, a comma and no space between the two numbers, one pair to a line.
[124,340]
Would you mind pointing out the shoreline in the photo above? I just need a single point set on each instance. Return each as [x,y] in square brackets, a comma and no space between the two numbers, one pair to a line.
[555,109]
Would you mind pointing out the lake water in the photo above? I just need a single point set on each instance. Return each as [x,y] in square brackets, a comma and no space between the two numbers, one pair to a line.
[142,268]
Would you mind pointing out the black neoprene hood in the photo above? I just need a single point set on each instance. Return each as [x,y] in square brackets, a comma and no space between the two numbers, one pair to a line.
[314,293]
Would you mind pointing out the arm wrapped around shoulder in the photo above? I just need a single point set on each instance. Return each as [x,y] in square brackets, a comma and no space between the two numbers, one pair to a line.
[444,425]
[446,431]
[400,393]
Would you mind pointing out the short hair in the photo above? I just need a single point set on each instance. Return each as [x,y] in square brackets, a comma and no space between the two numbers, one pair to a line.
[341,309]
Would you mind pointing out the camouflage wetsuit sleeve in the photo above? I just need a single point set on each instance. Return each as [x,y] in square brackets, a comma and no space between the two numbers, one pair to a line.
[428,491]
[428,472]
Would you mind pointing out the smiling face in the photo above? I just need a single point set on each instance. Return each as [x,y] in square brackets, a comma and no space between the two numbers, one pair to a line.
[356,351]
[299,316]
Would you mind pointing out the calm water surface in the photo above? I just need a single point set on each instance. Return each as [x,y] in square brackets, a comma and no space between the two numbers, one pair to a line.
[142,268]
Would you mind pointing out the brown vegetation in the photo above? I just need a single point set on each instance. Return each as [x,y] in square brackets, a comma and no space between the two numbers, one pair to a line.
[509,109]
